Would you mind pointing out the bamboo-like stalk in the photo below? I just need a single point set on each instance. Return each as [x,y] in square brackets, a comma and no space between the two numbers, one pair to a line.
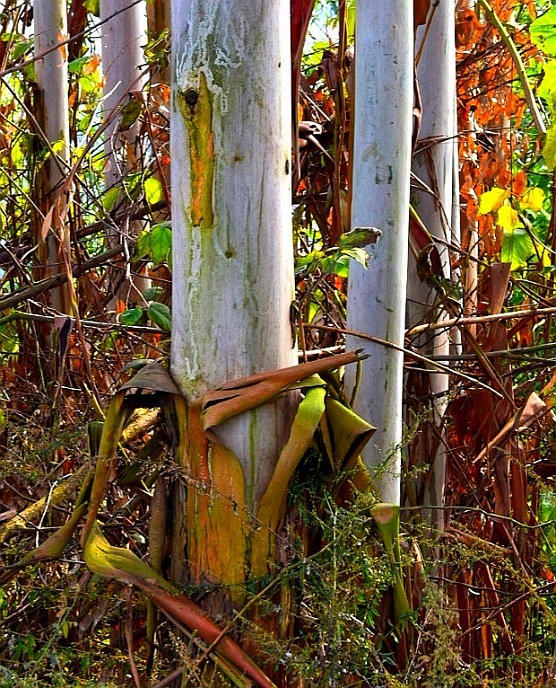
[436,73]
[380,198]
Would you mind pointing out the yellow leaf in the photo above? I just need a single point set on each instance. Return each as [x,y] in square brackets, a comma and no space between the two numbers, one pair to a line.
[549,149]
[532,199]
[492,200]
[508,218]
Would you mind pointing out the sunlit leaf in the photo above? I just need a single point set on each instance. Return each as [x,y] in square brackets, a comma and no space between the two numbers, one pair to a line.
[543,32]
[359,255]
[492,200]
[508,218]
[310,262]
[153,190]
[88,84]
[517,248]
[547,87]
[161,315]
[532,199]
[350,19]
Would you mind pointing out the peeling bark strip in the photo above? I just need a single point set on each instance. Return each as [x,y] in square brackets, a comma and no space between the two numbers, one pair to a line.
[196,108]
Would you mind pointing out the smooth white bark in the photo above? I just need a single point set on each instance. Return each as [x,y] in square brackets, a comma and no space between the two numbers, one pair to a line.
[232,259]
[50,25]
[434,165]
[123,35]
[381,166]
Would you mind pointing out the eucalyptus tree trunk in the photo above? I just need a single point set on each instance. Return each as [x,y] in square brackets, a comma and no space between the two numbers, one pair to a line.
[50,27]
[123,35]
[428,294]
[380,198]
[232,245]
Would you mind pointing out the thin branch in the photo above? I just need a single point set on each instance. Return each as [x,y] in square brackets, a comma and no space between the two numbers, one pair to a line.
[474,319]
[51,282]
[408,352]
[90,324]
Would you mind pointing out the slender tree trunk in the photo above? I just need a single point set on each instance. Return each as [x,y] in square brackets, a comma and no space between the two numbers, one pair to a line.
[381,165]
[52,79]
[124,33]
[232,248]
[434,164]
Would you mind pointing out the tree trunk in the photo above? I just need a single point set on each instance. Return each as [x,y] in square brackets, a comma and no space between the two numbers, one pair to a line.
[434,164]
[124,33]
[232,255]
[52,79]
[381,165]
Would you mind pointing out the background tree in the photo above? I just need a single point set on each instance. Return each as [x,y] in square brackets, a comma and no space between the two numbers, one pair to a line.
[52,229]
[435,202]
[124,34]
[380,198]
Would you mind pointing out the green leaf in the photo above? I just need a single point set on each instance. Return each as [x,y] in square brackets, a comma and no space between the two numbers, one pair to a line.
[272,503]
[131,316]
[153,293]
[547,87]
[543,32]
[310,262]
[337,264]
[111,198]
[130,114]
[358,238]
[161,315]
[350,20]
[93,6]
[143,245]
[20,48]
[76,66]
[160,242]
[359,255]
[517,248]
[153,190]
